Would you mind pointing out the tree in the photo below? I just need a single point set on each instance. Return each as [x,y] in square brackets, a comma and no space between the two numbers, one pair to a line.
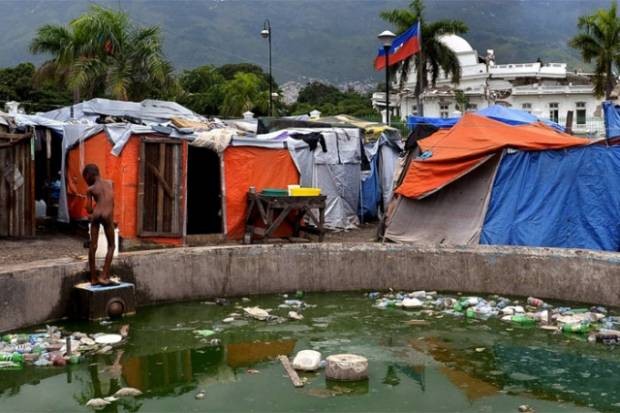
[434,56]
[245,92]
[317,93]
[230,70]
[18,84]
[599,42]
[330,100]
[102,53]
[462,101]
[202,90]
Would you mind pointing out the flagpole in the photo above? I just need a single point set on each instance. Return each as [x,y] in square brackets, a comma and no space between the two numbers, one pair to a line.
[420,108]
[386,49]
[386,37]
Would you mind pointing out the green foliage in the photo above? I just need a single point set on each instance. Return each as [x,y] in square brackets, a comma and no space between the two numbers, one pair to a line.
[329,100]
[226,90]
[202,90]
[18,83]
[599,42]
[244,92]
[461,100]
[317,93]
[434,56]
[102,53]
[228,71]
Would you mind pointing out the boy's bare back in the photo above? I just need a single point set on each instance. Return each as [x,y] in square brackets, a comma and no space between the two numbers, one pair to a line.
[103,194]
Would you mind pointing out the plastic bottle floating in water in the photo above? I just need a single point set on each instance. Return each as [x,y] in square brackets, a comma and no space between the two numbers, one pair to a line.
[576,328]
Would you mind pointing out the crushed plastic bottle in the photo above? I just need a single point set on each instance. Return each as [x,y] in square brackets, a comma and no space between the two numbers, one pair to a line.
[580,328]
[12,357]
[374,295]
[535,302]
[523,320]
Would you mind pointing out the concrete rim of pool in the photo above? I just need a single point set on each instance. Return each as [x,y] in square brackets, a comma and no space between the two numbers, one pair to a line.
[37,292]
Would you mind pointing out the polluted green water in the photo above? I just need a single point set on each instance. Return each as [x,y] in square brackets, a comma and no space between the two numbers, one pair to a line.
[442,364]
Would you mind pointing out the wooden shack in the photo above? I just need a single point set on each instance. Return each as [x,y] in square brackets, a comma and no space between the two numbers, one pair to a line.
[17,203]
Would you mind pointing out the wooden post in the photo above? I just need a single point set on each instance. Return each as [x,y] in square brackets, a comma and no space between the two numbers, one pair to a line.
[569,122]
[160,188]
[292,374]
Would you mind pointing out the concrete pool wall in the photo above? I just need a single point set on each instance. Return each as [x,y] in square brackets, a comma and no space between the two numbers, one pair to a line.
[37,292]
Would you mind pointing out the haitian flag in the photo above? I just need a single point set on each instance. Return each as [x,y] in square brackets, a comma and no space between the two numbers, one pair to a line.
[405,45]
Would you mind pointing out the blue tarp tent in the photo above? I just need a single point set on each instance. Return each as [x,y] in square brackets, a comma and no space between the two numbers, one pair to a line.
[377,184]
[612,120]
[500,113]
[514,116]
[412,121]
[565,198]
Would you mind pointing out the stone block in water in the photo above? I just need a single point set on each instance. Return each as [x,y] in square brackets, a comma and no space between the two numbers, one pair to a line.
[346,367]
[96,302]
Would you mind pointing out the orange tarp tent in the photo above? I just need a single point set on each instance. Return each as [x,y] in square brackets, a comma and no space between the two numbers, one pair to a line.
[122,170]
[246,166]
[470,143]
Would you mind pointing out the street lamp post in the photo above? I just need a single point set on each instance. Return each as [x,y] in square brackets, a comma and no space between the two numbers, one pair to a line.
[386,38]
[266,34]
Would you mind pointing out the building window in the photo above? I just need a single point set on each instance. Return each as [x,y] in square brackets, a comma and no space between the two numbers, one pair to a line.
[581,113]
[527,107]
[471,107]
[554,112]
[444,110]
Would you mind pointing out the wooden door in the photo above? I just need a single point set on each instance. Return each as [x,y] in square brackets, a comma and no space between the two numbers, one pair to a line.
[159,191]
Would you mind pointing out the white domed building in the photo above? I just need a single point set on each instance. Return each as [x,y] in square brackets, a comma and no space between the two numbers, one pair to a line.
[546,90]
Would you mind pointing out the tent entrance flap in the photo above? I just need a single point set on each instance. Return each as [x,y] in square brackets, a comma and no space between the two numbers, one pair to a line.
[159,191]
[204,192]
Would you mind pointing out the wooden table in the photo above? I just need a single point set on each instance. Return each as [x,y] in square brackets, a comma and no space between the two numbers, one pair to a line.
[274,210]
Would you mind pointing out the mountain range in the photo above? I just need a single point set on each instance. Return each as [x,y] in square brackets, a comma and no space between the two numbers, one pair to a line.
[331,40]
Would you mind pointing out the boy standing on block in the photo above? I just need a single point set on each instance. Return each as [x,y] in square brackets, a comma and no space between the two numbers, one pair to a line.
[101,214]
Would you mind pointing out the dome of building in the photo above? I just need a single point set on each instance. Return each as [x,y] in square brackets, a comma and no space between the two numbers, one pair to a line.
[456,43]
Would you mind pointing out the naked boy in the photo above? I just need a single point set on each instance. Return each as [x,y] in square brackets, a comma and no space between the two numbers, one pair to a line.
[102,213]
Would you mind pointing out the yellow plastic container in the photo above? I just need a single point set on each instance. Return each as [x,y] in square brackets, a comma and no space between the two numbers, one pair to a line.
[305,191]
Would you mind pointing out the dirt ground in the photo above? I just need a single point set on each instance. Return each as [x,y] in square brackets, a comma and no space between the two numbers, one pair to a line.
[42,247]
[60,245]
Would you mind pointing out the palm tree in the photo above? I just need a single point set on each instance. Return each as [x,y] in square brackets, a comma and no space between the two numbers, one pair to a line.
[599,41]
[244,92]
[102,53]
[434,56]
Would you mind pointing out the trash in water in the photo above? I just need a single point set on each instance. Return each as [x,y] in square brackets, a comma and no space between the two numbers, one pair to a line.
[54,347]
[97,403]
[222,301]
[293,315]
[307,360]
[256,313]
[204,333]
[127,392]
[109,339]
[200,395]
[595,321]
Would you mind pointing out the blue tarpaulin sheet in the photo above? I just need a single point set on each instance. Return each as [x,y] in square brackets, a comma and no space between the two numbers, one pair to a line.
[412,121]
[371,193]
[612,120]
[566,198]
[514,116]
[500,113]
